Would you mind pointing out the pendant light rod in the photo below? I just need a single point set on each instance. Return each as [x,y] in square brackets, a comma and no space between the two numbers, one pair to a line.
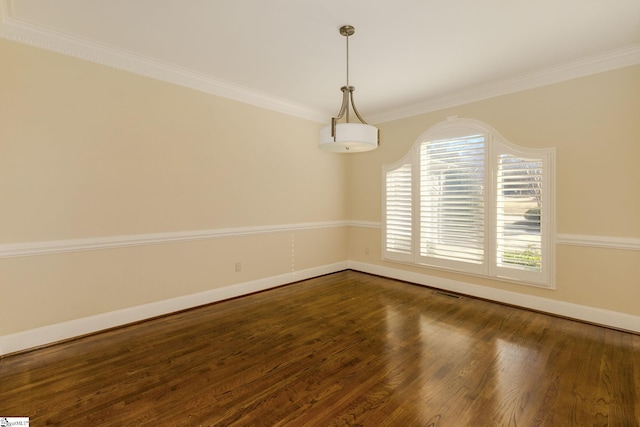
[347,30]
[347,90]
[347,37]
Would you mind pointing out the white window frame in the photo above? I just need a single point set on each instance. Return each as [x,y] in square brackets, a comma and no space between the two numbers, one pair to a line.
[495,145]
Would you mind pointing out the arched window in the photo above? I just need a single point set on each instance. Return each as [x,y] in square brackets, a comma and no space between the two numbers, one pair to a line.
[466,199]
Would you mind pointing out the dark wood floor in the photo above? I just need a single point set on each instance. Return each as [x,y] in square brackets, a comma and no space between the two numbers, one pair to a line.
[343,349]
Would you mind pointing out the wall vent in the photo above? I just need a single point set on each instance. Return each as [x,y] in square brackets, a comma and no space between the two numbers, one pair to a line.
[447,294]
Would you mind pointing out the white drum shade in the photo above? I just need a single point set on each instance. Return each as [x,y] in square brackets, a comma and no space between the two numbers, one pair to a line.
[350,138]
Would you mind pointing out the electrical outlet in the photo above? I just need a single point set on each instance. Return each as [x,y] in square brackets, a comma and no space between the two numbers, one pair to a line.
[238,267]
[366,251]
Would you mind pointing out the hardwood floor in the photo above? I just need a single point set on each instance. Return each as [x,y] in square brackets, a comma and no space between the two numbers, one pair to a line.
[343,349]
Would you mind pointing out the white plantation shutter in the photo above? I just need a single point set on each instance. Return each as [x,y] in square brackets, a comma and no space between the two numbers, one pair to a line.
[519,199]
[467,200]
[452,200]
[398,213]
[524,247]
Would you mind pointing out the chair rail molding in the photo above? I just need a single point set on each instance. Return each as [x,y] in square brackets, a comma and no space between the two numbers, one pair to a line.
[607,242]
[10,250]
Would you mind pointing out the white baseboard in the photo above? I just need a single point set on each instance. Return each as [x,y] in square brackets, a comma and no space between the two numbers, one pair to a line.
[594,315]
[62,331]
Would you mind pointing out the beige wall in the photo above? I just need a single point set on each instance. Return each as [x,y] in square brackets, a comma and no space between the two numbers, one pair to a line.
[88,151]
[594,123]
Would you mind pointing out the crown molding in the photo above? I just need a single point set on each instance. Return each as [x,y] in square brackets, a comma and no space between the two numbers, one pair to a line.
[67,44]
[611,60]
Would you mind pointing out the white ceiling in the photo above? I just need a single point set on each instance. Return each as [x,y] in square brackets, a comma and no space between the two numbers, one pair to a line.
[406,57]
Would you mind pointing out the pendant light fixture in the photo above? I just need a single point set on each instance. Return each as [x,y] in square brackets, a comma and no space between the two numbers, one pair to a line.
[346,137]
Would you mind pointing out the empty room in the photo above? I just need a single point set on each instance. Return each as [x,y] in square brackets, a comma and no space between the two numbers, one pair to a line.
[368,213]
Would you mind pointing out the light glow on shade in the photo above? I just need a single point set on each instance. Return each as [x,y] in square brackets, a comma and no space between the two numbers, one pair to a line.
[350,137]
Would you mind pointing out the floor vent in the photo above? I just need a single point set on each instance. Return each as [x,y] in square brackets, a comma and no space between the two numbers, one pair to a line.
[446,294]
